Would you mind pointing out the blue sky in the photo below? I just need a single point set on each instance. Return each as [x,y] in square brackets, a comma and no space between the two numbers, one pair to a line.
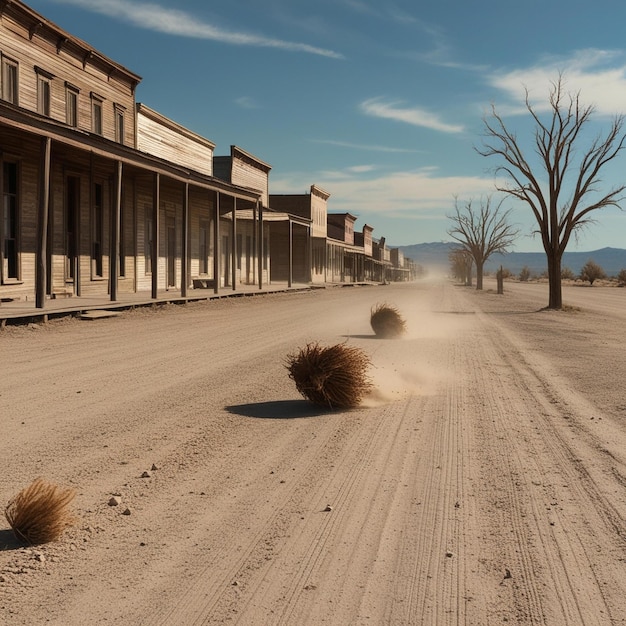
[379,103]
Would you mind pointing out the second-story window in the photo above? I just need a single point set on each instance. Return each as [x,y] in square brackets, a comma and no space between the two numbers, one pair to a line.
[119,124]
[9,80]
[96,114]
[71,105]
[44,88]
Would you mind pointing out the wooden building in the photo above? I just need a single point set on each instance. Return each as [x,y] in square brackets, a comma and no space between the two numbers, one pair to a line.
[101,195]
[300,242]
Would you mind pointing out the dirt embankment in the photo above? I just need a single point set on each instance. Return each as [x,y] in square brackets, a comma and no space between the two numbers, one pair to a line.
[483,481]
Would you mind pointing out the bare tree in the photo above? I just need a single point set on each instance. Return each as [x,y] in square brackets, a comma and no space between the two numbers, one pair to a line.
[562,191]
[461,264]
[482,231]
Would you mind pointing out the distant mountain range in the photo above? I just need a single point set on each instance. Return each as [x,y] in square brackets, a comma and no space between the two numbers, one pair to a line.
[434,257]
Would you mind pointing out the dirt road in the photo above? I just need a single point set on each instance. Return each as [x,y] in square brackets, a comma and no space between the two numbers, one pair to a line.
[483,482]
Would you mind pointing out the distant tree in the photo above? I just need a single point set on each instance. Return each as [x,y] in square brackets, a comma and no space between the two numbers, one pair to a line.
[567,274]
[621,277]
[481,231]
[563,201]
[524,274]
[461,264]
[591,271]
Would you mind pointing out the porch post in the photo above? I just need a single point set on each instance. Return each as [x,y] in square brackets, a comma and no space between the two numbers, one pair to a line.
[261,247]
[115,231]
[216,245]
[156,201]
[255,236]
[184,270]
[41,269]
[233,246]
[290,259]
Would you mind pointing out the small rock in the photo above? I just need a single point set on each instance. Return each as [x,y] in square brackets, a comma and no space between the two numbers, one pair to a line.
[328,508]
[115,501]
[40,557]
[449,554]
[154,467]
[146,475]
[235,583]
[507,573]
[126,512]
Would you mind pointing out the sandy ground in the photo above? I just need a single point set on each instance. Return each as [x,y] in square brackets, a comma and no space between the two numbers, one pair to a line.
[483,482]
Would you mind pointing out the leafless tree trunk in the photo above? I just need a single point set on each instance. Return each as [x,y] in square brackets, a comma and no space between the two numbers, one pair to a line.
[562,190]
[481,232]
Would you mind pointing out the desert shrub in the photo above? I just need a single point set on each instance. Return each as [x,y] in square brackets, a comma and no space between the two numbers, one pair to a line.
[567,274]
[591,271]
[621,277]
[386,321]
[524,274]
[333,376]
[40,512]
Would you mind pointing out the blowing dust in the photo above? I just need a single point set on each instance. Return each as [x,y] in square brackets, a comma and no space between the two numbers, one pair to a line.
[417,363]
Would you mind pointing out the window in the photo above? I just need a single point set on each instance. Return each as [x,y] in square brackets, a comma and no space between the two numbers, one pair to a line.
[121,270]
[119,124]
[147,241]
[9,80]
[204,247]
[10,222]
[96,114]
[97,230]
[71,105]
[44,83]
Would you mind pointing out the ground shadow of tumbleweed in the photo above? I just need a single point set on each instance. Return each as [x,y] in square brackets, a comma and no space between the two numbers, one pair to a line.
[278,409]
[8,541]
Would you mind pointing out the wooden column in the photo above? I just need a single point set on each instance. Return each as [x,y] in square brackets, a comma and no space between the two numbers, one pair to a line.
[41,269]
[261,246]
[115,231]
[290,259]
[233,247]
[216,245]
[255,239]
[309,250]
[184,270]
[156,201]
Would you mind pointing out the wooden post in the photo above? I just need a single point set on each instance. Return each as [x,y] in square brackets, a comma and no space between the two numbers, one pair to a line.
[115,231]
[41,269]
[233,246]
[216,245]
[290,259]
[255,239]
[500,280]
[184,270]
[261,246]
[156,200]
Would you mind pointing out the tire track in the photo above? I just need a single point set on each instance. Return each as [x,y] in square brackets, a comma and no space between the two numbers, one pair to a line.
[541,464]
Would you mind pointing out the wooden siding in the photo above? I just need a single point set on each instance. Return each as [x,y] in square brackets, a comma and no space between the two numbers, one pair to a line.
[60,56]
[161,137]
[244,170]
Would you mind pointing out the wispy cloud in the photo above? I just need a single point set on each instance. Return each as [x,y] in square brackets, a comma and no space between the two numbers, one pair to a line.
[598,75]
[417,193]
[377,107]
[246,102]
[359,146]
[175,22]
